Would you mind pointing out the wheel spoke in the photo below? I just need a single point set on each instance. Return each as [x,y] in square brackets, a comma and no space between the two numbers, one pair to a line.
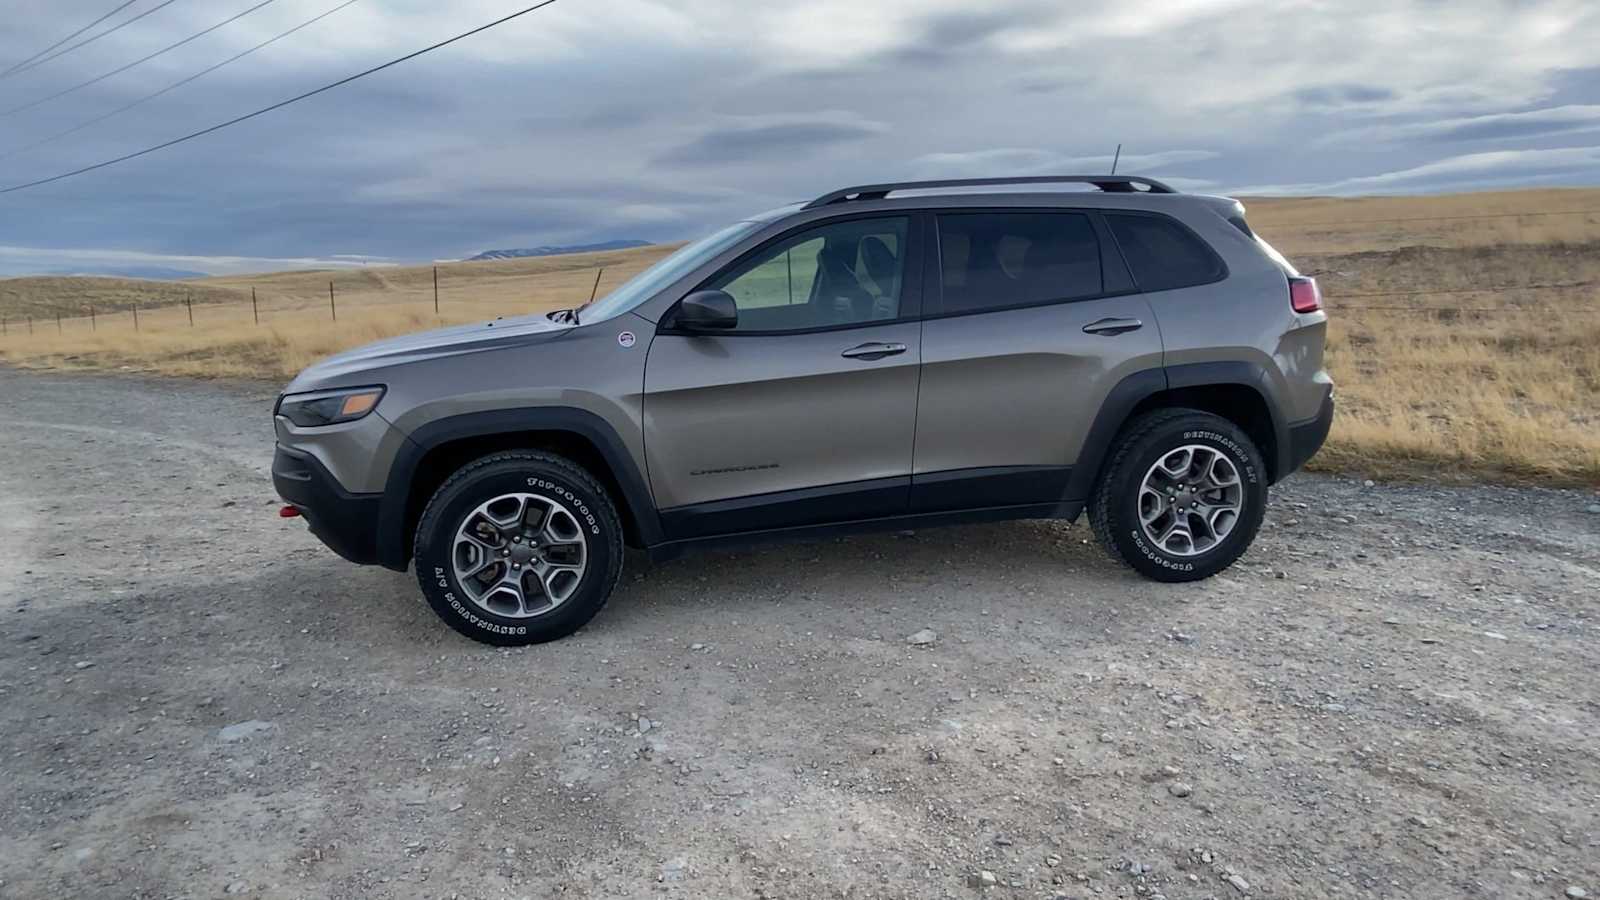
[523,534]
[1190,499]
[1177,463]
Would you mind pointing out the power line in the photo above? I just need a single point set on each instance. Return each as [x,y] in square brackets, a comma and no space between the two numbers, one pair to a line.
[173,86]
[86,41]
[17,65]
[279,105]
[118,71]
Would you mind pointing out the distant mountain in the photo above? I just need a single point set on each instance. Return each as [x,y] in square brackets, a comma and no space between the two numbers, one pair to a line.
[557,251]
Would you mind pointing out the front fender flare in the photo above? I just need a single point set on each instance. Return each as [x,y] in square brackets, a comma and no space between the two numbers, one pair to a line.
[392,548]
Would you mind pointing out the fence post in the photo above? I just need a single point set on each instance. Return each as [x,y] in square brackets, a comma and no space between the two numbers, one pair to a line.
[92,326]
[332,309]
[58,321]
[596,288]
[135,315]
[30,324]
[188,302]
[5,327]
[436,290]
[255,311]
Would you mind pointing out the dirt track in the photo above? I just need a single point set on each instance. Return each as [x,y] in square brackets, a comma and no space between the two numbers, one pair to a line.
[1394,695]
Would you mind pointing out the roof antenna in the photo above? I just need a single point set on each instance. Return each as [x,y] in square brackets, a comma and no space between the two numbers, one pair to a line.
[1116,159]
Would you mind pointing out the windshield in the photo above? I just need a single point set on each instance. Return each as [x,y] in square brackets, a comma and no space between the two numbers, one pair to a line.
[644,285]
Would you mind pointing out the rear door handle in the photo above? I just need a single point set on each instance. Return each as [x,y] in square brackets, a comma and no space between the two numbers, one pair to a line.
[874,350]
[1112,326]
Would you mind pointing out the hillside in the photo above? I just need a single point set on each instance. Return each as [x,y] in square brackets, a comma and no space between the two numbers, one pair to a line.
[42,297]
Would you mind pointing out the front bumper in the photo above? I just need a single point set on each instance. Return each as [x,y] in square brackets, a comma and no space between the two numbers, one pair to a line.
[1306,438]
[346,522]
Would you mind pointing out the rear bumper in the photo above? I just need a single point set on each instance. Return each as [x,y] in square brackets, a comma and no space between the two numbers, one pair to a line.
[1306,438]
[346,522]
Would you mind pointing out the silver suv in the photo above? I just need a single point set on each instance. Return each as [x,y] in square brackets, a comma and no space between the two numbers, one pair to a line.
[885,356]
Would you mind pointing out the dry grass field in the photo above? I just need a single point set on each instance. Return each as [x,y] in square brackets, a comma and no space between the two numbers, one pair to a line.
[1465,333]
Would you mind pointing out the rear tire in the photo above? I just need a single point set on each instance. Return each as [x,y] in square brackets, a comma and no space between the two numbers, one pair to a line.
[1182,496]
[518,548]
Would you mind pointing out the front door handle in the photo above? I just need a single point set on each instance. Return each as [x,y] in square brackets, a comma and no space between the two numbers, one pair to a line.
[1112,326]
[874,350]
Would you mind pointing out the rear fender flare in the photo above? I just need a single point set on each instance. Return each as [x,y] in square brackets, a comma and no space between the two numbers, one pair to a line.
[1134,389]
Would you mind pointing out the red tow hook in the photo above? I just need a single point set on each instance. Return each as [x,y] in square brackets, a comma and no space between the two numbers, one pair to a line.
[289,512]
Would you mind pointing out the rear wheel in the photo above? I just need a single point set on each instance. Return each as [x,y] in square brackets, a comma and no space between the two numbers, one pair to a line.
[519,548]
[1182,497]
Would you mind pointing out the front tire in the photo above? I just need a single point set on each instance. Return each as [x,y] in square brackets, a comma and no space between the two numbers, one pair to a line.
[518,548]
[1182,497]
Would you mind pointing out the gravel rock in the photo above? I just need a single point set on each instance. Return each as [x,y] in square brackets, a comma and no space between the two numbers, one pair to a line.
[83,664]
[983,879]
[236,887]
[1239,884]
[923,638]
[1180,789]
[1576,893]
[1593,509]
[243,731]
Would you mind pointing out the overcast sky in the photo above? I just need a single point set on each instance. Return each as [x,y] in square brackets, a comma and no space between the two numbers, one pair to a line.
[600,119]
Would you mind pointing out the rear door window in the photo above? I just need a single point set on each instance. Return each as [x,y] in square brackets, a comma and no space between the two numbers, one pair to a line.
[1162,254]
[1000,260]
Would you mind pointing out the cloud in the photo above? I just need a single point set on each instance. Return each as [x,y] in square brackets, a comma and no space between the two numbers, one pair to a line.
[755,141]
[48,260]
[659,119]
[1342,94]
[1557,120]
[1002,161]
[1468,171]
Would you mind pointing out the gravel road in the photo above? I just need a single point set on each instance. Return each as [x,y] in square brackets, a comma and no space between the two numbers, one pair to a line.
[1393,695]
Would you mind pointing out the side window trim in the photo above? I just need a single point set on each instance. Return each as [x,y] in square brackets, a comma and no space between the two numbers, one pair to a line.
[911,291]
[1216,258]
[1111,262]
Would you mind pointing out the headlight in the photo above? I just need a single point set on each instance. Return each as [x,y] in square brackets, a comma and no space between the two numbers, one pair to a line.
[329,407]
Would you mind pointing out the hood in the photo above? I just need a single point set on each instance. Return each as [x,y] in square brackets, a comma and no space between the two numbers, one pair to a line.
[344,369]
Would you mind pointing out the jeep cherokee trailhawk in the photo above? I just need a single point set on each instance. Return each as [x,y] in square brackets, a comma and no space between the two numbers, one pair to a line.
[885,356]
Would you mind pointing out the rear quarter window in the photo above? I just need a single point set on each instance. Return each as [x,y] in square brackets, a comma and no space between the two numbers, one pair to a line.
[1162,254]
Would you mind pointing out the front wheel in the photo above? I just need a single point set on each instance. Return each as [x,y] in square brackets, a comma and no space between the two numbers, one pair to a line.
[1182,497]
[518,548]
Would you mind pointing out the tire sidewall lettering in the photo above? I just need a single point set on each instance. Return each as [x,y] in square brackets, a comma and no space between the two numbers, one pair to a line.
[565,493]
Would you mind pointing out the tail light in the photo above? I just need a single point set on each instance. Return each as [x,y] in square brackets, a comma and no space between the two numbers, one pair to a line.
[1304,295]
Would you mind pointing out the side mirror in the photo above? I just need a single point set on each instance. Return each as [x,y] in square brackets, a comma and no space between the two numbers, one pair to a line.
[706,311]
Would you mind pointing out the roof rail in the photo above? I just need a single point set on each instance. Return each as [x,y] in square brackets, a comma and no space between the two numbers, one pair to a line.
[1112,184]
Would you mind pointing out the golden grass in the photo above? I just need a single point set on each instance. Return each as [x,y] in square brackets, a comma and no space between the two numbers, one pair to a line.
[1440,374]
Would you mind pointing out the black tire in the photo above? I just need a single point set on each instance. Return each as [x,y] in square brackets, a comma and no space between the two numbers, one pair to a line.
[526,472]
[1114,509]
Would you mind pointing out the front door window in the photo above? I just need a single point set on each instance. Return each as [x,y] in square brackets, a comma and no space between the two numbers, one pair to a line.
[842,273]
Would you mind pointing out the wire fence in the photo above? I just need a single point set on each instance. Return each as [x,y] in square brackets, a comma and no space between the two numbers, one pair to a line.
[207,305]
[269,303]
